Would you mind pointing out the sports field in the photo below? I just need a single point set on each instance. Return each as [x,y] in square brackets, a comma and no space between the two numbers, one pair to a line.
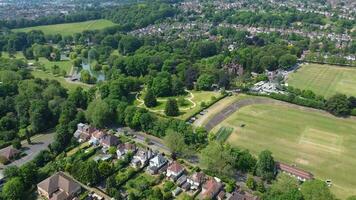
[70,28]
[325,80]
[311,139]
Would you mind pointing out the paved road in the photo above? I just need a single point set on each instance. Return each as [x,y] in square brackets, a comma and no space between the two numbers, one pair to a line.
[39,143]
[229,110]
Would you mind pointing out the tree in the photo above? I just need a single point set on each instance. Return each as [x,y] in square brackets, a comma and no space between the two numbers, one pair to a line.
[150,99]
[162,84]
[338,105]
[265,166]
[105,169]
[205,82]
[216,158]
[99,113]
[285,187]
[14,189]
[315,190]
[269,62]
[175,142]
[250,182]
[287,60]
[16,143]
[171,108]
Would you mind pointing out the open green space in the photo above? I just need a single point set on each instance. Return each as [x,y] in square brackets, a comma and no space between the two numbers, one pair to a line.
[70,28]
[69,85]
[312,140]
[325,80]
[193,101]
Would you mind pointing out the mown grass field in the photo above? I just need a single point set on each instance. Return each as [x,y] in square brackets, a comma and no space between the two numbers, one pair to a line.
[196,97]
[70,28]
[311,139]
[325,80]
[68,85]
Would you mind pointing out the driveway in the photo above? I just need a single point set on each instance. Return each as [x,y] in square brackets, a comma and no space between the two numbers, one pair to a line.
[39,143]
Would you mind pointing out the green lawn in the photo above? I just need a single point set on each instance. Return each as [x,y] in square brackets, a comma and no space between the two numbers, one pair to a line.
[193,102]
[64,83]
[70,28]
[325,80]
[313,140]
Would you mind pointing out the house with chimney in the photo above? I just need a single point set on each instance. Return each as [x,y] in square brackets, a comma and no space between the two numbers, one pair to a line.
[83,132]
[123,149]
[174,171]
[211,188]
[141,158]
[59,187]
[156,163]
[109,140]
[96,137]
[196,180]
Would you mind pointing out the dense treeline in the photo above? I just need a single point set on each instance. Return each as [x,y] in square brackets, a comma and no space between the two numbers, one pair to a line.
[78,16]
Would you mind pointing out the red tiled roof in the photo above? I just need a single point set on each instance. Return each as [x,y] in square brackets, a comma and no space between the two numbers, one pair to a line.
[175,167]
[295,171]
[211,187]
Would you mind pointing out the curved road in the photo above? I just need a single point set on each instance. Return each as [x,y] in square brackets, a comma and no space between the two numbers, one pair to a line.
[230,109]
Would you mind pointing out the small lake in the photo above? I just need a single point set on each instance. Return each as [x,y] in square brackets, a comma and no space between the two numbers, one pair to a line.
[100,76]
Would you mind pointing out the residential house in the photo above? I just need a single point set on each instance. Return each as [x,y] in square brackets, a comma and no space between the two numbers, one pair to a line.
[174,170]
[123,149]
[10,153]
[295,172]
[156,163]
[242,195]
[211,188]
[109,141]
[83,132]
[96,137]
[196,180]
[141,158]
[59,187]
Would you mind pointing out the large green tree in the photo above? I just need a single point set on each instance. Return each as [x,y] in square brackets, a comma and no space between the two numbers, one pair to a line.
[338,105]
[316,190]
[217,158]
[265,166]
[171,108]
[99,113]
[150,99]
[14,189]
[284,188]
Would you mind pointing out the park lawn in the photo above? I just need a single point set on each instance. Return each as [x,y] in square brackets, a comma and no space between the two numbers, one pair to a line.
[325,80]
[313,140]
[68,85]
[65,65]
[18,55]
[69,28]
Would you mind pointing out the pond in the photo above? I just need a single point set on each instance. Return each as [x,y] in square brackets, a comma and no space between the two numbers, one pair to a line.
[100,76]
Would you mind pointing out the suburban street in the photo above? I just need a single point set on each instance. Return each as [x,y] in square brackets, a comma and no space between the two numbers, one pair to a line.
[39,143]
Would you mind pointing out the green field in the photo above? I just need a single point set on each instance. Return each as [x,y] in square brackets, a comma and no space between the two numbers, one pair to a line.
[311,139]
[193,101]
[70,28]
[69,85]
[325,80]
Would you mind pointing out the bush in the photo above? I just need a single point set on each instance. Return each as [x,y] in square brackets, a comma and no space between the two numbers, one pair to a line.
[4,160]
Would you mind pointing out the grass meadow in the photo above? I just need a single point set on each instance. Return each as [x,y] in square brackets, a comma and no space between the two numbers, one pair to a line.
[311,139]
[325,80]
[69,28]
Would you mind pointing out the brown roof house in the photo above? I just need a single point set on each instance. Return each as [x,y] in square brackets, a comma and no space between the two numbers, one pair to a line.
[295,172]
[196,180]
[123,149]
[109,141]
[58,187]
[211,188]
[96,137]
[10,153]
[83,132]
[175,170]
